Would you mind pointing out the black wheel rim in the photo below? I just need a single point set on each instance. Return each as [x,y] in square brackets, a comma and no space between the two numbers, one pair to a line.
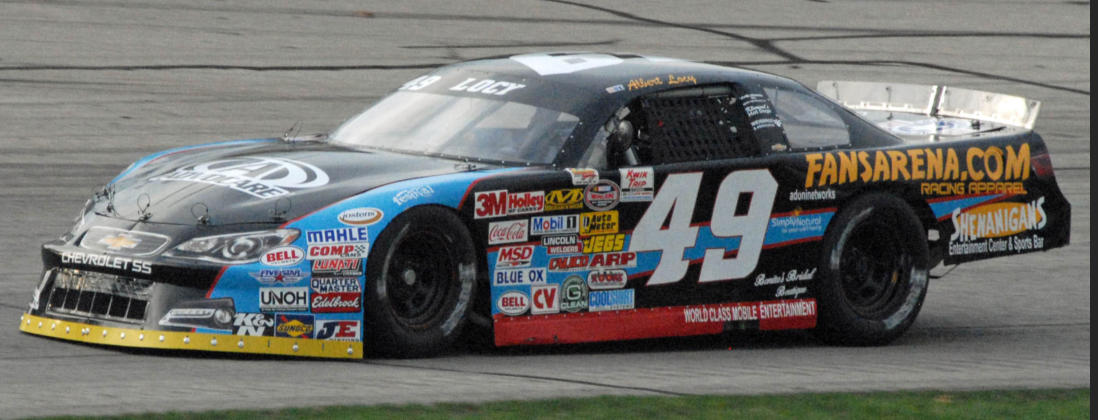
[420,272]
[875,268]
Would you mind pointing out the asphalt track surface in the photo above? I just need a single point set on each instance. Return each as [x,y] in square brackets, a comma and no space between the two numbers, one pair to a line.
[86,87]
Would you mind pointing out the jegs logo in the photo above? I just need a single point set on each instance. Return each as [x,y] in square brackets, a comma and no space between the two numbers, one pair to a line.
[260,177]
[254,324]
[515,256]
[604,243]
[338,330]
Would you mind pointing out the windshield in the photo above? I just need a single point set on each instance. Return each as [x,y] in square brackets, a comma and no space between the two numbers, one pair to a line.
[459,127]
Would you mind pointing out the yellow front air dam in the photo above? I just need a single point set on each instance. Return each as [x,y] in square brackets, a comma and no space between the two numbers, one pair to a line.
[175,340]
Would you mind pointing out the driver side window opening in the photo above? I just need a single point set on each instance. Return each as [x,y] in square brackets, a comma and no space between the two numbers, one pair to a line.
[809,123]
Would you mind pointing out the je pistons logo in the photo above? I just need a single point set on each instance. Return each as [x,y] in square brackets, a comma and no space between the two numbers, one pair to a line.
[260,177]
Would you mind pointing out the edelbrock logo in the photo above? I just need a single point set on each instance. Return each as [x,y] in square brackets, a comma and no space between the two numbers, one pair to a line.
[361,216]
[260,177]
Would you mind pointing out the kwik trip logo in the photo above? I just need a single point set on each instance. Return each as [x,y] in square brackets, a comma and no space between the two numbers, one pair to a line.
[260,177]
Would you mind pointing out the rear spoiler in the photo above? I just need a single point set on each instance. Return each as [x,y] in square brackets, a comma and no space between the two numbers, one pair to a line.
[934,101]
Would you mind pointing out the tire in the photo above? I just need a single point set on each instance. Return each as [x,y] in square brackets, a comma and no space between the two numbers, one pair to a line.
[420,283]
[873,272]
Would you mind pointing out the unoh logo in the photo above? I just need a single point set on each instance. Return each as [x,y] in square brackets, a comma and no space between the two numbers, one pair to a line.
[997,220]
[513,303]
[361,216]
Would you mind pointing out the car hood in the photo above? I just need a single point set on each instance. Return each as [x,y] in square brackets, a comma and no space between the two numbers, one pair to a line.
[266,181]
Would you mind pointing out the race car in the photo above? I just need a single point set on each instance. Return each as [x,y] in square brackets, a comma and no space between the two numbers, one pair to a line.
[554,198]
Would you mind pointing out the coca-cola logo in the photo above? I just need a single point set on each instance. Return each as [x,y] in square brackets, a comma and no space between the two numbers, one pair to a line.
[508,232]
[261,177]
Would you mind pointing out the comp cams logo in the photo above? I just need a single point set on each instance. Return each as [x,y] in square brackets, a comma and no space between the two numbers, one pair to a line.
[260,177]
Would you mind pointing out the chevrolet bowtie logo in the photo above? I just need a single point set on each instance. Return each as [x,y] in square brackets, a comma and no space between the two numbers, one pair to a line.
[119,241]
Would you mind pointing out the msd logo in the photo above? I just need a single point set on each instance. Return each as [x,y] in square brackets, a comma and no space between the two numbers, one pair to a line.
[508,232]
[515,256]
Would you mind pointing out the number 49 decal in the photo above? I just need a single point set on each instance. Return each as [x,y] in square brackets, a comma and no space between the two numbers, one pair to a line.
[678,196]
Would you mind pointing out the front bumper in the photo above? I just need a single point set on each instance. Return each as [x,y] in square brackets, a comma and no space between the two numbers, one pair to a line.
[184,340]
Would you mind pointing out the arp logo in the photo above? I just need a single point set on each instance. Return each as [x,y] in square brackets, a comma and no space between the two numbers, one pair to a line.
[568,199]
[515,256]
[338,330]
[490,204]
[544,299]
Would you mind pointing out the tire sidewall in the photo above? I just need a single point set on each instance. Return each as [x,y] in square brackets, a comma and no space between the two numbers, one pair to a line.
[839,322]
[385,334]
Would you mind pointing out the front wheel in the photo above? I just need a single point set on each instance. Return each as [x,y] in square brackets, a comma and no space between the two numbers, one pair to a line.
[420,280]
[873,270]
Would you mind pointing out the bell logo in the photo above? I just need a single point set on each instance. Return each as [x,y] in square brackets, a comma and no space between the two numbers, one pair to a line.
[546,299]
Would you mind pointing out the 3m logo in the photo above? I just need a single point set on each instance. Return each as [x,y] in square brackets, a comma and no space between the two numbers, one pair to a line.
[490,204]
[545,299]
[569,199]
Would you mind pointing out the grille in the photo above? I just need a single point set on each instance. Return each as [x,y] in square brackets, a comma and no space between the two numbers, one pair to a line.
[98,295]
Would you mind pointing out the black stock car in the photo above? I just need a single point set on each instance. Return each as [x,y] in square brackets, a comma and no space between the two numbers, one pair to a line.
[559,198]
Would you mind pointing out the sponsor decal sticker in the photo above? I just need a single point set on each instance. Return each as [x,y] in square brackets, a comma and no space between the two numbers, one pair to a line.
[338,330]
[602,195]
[611,300]
[573,296]
[294,326]
[508,232]
[750,311]
[981,165]
[415,193]
[545,299]
[607,279]
[338,267]
[812,195]
[566,199]
[361,216]
[348,250]
[988,228]
[604,243]
[598,223]
[637,184]
[583,176]
[490,204]
[283,256]
[335,284]
[255,324]
[486,86]
[615,89]
[260,177]
[525,202]
[337,302]
[554,225]
[513,303]
[569,244]
[290,299]
[278,276]
[515,256]
[326,236]
[517,277]
[790,276]
[595,261]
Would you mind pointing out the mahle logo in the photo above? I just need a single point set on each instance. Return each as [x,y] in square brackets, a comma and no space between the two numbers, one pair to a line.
[567,199]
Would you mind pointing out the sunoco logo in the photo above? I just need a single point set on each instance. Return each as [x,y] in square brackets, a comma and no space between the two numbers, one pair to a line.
[361,216]
[260,177]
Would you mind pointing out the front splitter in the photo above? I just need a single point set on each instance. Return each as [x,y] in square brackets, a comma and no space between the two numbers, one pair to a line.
[175,340]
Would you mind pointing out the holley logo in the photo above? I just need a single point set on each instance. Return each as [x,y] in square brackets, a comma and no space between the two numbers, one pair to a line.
[281,256]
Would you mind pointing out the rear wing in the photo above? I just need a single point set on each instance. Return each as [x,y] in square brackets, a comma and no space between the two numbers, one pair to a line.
[935,101]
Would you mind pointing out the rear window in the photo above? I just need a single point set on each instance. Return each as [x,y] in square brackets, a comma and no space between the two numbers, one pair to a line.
[808,121]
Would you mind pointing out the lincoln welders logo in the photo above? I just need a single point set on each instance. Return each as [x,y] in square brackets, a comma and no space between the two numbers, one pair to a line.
[260,177]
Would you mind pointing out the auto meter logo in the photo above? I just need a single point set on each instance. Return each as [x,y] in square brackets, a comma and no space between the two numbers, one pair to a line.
[361,216]
[513,303]
[260,177]
[599,223]
[284,255]
[602,195]
[508,232]
[515,256]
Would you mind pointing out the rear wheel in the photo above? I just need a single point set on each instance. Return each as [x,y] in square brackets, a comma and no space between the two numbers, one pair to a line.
[420,280]
[873,273]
